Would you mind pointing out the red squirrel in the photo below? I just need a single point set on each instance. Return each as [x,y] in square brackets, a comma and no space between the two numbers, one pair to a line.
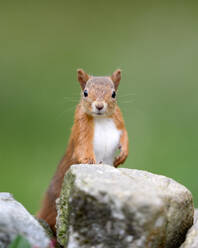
[97,133]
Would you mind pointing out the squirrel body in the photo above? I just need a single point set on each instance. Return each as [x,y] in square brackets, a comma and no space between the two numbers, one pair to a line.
[97,133]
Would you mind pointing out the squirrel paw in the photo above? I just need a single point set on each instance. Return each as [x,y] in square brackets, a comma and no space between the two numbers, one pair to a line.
[120,158]
[87,161]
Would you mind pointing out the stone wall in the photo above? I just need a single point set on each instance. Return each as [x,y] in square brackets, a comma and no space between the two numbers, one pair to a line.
[104,207]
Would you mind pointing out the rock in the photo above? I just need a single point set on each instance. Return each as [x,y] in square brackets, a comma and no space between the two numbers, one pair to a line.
[192,235]
[104,207]
[177,200]
[49,232]
[16,220]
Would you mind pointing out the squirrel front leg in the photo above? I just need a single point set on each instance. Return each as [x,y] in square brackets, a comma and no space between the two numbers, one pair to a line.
[84,155]
[83,140]
[123,149]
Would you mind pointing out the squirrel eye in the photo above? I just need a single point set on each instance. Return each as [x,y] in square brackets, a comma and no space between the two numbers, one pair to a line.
[113,94]
[85,93]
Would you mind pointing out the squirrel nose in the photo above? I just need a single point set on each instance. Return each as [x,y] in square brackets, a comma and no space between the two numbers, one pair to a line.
[100,106]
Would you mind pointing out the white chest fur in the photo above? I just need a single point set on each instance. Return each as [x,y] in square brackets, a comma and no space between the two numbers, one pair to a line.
[106,140]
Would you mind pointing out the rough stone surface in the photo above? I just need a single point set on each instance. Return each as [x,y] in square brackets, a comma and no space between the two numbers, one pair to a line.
[15,219]
[192,235]
[104,207]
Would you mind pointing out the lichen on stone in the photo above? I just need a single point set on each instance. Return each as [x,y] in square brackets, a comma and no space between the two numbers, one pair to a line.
[63,210]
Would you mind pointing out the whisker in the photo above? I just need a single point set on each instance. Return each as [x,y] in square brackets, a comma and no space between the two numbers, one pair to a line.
[74,94]
[71,97]
[127,102]
[132,94]
[67,101]
[72,100]
[65,111]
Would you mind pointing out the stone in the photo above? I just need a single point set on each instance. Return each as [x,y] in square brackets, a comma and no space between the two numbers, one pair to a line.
[192,235]
[16,220]
[104,207]
[177,199]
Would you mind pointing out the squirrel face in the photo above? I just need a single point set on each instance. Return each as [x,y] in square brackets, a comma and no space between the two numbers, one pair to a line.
[98,96]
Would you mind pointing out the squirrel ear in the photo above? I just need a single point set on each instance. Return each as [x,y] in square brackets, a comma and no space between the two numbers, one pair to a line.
[83,77]
[116,77]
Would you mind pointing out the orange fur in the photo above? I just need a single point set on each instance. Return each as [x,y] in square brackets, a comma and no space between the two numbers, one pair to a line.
[124,144]
[80,147]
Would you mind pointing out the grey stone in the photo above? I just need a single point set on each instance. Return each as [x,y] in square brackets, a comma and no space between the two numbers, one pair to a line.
[177,200]
[192,235]
[15,220]
[104,207]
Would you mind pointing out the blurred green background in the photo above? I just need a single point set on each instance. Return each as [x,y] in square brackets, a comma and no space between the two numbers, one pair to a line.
[42,43]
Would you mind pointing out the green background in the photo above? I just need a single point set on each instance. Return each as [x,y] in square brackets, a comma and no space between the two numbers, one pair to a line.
[42,43]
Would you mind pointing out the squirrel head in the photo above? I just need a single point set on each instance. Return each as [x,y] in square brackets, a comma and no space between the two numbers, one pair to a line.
[98,96]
